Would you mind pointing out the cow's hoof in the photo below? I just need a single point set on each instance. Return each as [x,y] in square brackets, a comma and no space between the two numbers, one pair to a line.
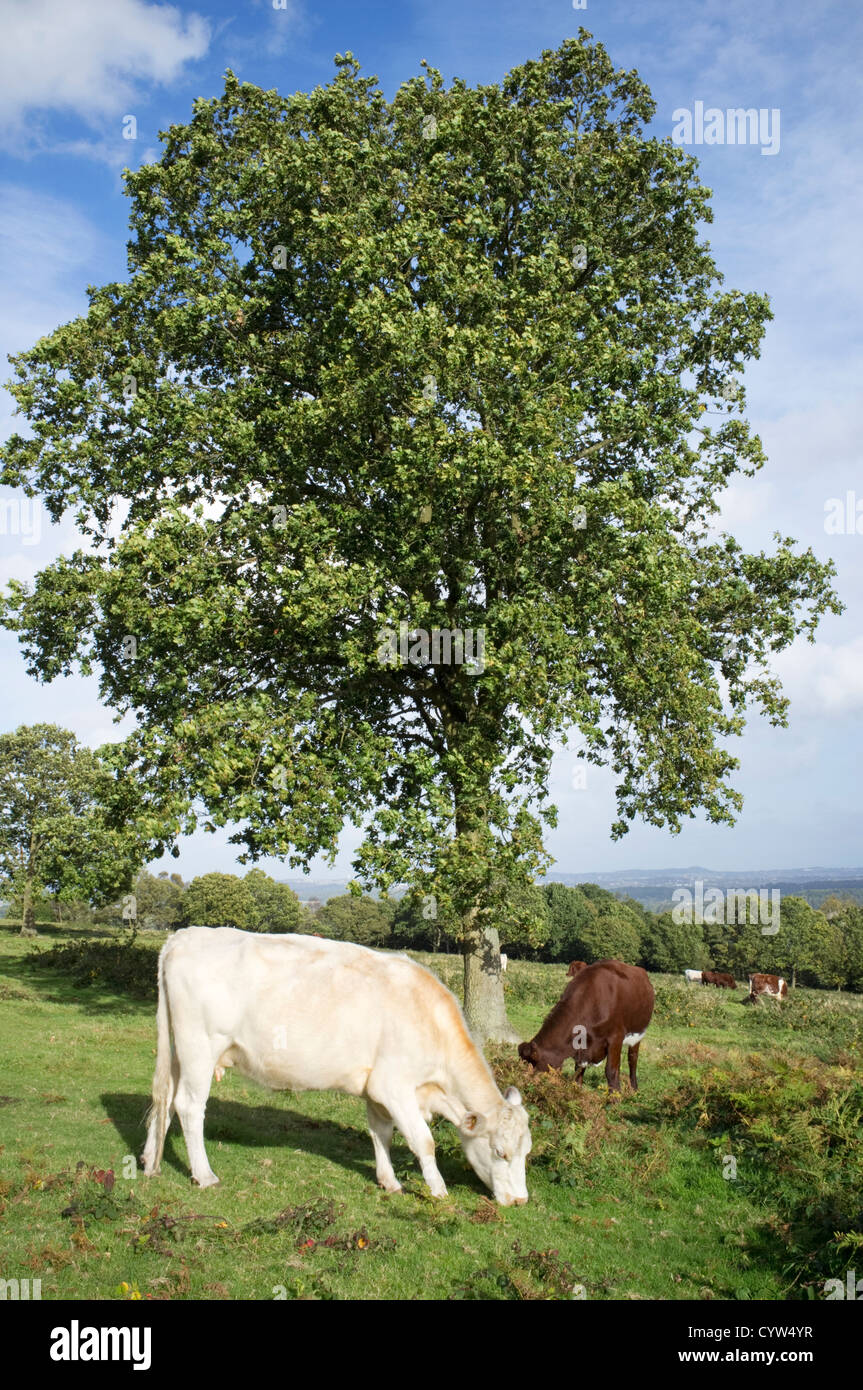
[209,1181]
[390,1188]
[439,1192]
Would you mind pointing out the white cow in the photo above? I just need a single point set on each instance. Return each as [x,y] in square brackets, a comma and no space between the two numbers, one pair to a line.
[503,960]
[303,1013]
[693,975]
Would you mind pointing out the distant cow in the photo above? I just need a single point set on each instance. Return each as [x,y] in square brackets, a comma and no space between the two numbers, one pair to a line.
[503,961]
[300,1014]
[576,966]
[693,975]
[604,1008]
[718,978]
[772,985]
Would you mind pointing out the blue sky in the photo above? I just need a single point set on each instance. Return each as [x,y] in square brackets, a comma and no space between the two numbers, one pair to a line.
[787,223]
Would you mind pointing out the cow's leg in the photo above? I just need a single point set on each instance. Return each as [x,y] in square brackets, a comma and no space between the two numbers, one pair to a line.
[612,1063]
[633,1066]
[579,1073]
[407,1116]
[381,1127]
[190,1102]
[161,1113]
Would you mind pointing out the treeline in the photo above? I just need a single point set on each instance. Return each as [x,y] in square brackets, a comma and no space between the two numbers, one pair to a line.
[820,948]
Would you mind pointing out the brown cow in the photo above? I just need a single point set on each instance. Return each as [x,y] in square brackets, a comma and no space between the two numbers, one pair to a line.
[718,978]
[772,985]
[575,967]
[604,1008]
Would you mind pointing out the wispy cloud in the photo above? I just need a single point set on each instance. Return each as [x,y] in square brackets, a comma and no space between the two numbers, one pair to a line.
[87,60]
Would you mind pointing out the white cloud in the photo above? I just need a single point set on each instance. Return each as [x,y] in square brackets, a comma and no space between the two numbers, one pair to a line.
[90,58]
[823,680]
[742,503]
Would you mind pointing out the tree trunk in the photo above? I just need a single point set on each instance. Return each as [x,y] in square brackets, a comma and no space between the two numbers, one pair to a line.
[484,1005]
[28,915]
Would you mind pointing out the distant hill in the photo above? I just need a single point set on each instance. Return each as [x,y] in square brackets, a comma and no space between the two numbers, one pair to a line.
[653,888]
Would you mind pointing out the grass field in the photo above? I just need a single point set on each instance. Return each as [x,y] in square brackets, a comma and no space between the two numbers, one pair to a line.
[636,1198]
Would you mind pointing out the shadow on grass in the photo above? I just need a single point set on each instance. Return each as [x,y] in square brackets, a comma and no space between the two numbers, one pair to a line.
[56,931]
[52,984]
[266,1126]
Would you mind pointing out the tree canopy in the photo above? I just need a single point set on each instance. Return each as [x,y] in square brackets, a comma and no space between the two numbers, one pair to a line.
[350,917]
[55,833]
[254,903]
[458,363]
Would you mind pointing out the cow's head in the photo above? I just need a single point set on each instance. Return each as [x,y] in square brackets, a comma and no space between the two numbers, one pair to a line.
[530,1053]
[496,1147]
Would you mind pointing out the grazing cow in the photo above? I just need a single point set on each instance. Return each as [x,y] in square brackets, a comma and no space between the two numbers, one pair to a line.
[300,1014]
[772,985]
[719,978]
[503,961]
[604,1008]
[575,967]
[693,975]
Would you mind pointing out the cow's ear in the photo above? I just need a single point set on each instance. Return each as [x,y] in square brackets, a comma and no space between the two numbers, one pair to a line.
[513,1096]
[474,1124]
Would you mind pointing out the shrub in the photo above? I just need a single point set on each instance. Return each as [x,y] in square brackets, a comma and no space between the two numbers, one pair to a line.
[796,1129]
[118,966]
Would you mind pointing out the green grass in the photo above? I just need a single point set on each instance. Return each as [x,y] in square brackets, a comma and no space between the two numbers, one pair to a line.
[628,1197]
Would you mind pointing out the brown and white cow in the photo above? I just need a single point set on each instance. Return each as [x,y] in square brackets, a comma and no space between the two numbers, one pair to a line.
[719,978]
[772,985]
[302,1013]
[575,966]
[604,1008]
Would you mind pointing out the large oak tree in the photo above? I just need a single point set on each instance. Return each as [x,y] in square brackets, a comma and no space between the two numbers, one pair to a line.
[460,360]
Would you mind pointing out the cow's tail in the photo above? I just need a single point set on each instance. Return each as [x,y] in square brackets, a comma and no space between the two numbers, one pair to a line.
[159,1116]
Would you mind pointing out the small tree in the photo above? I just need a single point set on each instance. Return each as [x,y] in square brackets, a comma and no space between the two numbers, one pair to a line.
[848,916]
[159,901]
[670,946]
[55,834]
[353,918]
[791,951]
[569,912]
[419,926]
[830,956]
[216,900]
[613,929]
[270,906]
